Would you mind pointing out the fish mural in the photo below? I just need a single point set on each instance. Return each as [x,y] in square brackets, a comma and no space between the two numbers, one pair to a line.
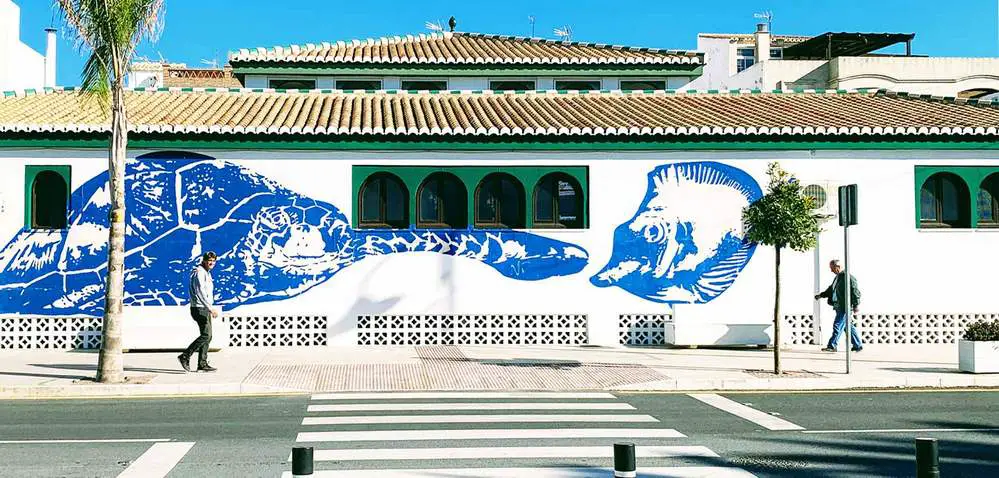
[272,243]
[685,243]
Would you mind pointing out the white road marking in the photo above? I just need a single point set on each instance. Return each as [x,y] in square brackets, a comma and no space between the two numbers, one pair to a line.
[463,395]
[477,453]
[100,440]
[905,430]
[765,420]
[489,434]
[394,407]
[157,461]
[381,419]
[672,471]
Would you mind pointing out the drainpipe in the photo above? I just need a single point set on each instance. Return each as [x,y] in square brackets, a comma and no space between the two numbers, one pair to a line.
[50,58]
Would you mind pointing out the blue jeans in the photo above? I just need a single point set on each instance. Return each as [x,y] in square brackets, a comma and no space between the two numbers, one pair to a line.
[838,325]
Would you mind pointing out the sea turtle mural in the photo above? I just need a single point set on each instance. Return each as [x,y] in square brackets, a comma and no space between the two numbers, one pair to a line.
[685,243]
[272,243]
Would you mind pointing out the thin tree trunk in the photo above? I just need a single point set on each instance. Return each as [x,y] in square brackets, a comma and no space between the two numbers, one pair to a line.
[111,362]
[777,369]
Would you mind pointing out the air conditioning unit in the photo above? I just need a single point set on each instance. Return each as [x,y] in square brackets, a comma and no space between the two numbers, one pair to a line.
[826,197]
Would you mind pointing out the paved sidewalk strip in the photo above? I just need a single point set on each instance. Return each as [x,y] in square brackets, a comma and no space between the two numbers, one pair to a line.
[462,395]
[519,452]
[157,461]
[559,472]
[765,420]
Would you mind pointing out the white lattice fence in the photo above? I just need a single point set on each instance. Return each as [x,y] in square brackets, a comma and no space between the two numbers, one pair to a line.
[278,331]
[527,329]
[50,332]
[643,329]
[800,329]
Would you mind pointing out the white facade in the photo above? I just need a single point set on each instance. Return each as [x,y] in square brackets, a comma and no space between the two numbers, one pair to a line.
[470,83]
[901,269]
[21,67]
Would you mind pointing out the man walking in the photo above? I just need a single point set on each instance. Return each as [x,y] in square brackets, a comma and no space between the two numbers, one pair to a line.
[836,297]
[202,311]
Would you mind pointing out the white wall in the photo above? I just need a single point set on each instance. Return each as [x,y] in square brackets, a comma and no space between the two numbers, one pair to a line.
[935,76]
[901,269]
[719,63]
[20,66]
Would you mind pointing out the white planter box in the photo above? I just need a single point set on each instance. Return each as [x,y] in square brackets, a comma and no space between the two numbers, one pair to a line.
[978,357]
[166,328]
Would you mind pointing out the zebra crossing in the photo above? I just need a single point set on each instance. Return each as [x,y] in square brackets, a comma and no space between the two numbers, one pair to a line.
[492,435]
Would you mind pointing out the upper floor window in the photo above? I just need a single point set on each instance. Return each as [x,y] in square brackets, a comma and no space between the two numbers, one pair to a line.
[944,202]
[429,85]
[358,84]
[777,53]
[383,202]
[558,202]
[499,202]
[49,200]
[988,202]
[292,84]
[442,202]
[744,58]
[643,84]
[512,85]
[581,85]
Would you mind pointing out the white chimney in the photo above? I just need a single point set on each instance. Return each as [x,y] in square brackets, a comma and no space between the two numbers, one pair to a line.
[50,57]
[762,42]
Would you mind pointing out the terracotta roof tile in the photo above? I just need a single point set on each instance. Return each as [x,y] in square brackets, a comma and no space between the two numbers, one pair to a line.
[509,114]
[464,48]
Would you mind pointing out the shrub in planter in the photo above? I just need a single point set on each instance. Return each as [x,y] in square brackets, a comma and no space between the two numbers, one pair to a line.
[982,331]
[978,352]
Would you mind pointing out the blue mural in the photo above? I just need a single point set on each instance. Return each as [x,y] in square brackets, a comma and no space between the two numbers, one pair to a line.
[685,243]
[272,243]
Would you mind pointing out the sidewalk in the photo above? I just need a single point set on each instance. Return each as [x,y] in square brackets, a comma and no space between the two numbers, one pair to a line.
[59,373]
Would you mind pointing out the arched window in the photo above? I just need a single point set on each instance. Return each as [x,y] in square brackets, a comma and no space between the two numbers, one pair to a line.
[944,202]
[499,202]
[558,202]
[988,202]
[383,202]
[442,202]
[49,201]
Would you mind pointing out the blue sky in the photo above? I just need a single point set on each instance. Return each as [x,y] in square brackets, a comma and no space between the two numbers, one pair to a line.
[206,29]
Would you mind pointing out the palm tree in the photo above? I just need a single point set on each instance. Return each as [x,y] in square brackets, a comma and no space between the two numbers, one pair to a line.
[111,30]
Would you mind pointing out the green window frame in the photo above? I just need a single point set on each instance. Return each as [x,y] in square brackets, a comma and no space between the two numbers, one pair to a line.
[34,218]
[472,177]
[977,196]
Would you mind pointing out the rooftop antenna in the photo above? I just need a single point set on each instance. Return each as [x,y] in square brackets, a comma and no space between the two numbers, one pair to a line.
[768,16]
[530,18]
[434,27]
[213,62]
[565,33]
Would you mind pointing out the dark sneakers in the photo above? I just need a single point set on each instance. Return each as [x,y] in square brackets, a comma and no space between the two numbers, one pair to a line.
[206,368]
[185,362]
[828,349]
[858,349]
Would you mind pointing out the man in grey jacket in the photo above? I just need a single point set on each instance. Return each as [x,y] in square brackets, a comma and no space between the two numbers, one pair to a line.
[202,311]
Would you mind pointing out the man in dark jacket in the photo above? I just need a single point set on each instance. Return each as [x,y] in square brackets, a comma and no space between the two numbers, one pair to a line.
[835,296]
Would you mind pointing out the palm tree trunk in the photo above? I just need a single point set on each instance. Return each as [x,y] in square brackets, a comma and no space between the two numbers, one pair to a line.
[777,369]
[111,362]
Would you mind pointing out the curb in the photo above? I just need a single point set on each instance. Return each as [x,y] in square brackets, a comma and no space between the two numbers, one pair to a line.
[32,392]
[809,383]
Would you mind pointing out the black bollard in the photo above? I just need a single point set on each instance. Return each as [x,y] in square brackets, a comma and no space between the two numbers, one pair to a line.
[301,461]
[624,460]
[927,458]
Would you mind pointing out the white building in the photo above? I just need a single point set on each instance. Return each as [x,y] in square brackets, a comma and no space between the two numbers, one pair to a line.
[22,67]
[838,61]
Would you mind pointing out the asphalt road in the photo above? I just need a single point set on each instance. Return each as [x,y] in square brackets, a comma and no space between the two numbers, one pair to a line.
[823,435]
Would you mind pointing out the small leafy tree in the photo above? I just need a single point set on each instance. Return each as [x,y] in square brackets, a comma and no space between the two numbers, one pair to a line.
[111,30]
[782,218]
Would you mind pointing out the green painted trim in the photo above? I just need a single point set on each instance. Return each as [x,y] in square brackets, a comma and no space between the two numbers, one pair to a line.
[973,176]
[413,176]
[31,172]
[468,70]
[525,143]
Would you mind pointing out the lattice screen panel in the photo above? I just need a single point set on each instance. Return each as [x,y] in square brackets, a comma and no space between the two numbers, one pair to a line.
[643,329]
[278,331]
[529,329]
[800,328]
[50,332]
